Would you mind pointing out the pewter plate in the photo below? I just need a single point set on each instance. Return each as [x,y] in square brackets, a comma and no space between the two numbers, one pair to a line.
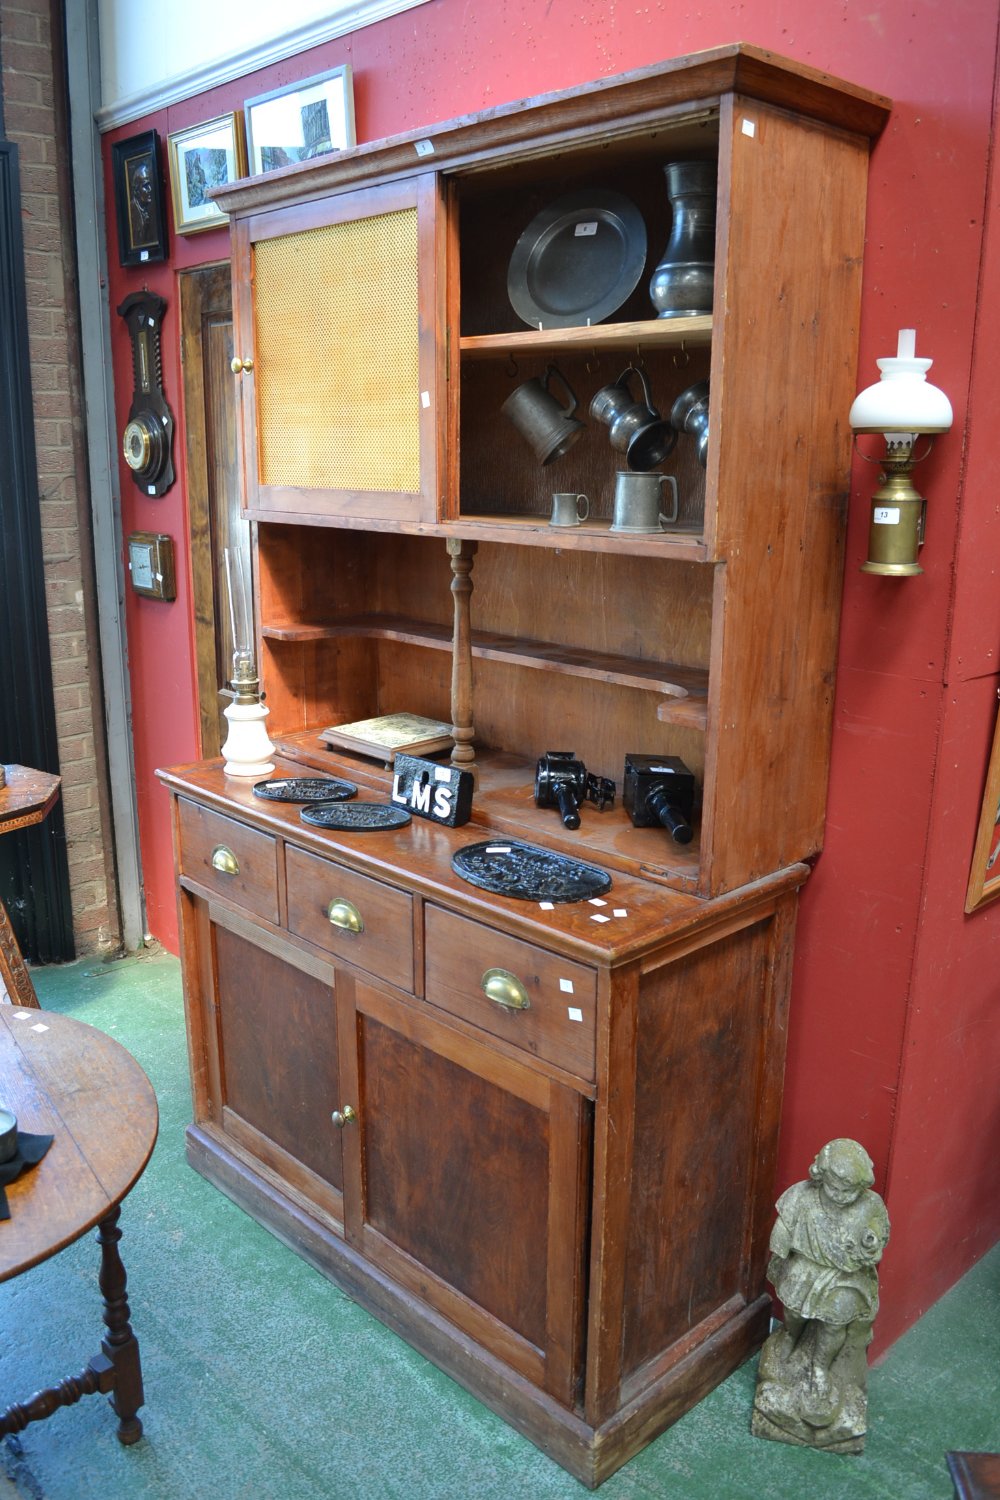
[578,260]
[528,873]
[304,789]
[356,816]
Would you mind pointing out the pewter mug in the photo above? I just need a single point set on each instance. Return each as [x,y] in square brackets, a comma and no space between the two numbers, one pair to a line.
[569,510]
[638,499]
[551,429]
[636,427]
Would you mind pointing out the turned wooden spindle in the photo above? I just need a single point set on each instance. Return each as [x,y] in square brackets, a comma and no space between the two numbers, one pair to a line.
[463,753]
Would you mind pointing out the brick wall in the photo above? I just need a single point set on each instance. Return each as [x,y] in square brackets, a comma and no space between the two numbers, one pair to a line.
[34,115]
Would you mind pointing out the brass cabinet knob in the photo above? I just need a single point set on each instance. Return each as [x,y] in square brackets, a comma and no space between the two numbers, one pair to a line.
[342,1117]
[506,989]
[345,915]
[225,861]
[238,366]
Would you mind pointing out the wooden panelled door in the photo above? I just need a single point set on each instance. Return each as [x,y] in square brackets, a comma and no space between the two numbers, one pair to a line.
[206,301]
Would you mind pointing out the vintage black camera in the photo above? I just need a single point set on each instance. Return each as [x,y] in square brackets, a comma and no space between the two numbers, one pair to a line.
[660,789]
[563,781]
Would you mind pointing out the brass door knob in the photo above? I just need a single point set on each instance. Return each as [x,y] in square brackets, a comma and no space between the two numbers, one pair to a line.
[342,1117]
[225,861]
[238,366]
[345,915]
[505,989]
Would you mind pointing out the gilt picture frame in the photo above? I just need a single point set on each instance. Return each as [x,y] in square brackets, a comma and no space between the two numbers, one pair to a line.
[138,193]
[302,121]
[984,877]
[204,157]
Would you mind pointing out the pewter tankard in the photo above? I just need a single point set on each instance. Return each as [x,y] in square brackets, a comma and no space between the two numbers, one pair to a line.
[551,429]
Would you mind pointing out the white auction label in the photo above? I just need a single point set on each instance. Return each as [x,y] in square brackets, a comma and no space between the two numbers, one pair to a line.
[886,515]
[586,226]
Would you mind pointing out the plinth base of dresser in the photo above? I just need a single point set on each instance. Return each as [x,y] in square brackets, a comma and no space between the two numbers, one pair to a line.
[589,1453]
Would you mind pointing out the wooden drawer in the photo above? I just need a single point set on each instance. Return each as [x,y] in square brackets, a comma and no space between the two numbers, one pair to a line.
[559,1020]
[230,859]
[382,943]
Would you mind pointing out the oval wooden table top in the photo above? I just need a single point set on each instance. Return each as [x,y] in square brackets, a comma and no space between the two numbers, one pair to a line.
[66,1079]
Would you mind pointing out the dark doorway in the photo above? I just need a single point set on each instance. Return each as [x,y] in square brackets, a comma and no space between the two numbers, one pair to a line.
[34,874]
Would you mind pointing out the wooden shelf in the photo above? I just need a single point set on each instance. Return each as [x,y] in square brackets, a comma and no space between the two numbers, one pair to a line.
[685,689]
[656,332]
[681,544]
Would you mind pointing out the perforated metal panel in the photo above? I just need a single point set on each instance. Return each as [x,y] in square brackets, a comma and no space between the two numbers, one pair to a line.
[337,371]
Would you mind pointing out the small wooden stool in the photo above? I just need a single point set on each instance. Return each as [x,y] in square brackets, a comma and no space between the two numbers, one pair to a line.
[25,798]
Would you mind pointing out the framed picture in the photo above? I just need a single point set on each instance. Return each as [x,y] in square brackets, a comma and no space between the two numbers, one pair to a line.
[138,186]
[301,121]
[201,158]
[984,878]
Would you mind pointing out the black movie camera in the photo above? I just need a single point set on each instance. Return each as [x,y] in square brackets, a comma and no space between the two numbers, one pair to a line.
[660,789]
[563,781]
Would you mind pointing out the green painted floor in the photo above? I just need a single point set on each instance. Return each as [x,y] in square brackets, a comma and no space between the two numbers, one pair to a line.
[263,1382]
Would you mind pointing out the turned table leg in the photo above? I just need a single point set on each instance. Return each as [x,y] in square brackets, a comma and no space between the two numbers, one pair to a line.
[120,1347]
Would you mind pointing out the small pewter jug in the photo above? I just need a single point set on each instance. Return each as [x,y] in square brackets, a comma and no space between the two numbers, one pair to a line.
[684,281]
[689,413]
[551,429]
[636,427]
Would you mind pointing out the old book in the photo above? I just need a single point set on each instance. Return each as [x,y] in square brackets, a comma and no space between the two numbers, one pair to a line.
[382,737]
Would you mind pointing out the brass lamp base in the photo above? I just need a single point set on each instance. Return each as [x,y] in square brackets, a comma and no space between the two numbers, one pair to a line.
[892,570]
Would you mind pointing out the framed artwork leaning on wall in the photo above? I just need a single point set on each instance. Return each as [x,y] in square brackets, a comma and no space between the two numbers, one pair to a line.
[301,121]
[984,877]
[204,157]
[138,188]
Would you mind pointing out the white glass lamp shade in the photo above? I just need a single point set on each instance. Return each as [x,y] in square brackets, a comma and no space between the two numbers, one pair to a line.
[902,400]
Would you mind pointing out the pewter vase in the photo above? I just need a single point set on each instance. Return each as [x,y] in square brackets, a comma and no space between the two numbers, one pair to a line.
[683,282]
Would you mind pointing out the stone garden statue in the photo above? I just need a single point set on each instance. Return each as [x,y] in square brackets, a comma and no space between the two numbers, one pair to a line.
[812,1385]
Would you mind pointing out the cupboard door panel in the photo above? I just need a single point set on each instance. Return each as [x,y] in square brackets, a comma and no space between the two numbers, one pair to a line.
[344,394]
[472,1176]
[277,1035]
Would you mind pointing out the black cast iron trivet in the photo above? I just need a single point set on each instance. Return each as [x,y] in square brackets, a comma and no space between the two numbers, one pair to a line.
[528,873]
[361,816]
[304,789]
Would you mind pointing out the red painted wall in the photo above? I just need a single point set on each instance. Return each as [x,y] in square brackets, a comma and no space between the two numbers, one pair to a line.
[895,1034]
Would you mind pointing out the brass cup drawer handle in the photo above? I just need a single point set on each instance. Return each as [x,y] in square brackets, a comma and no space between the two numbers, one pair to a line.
[345,915]
[225,861]
[342,1117]
[506,989]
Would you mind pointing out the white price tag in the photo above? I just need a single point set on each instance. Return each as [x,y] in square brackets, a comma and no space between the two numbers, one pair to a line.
[546,906]
[586,226]
[566,985]
[886,515]
[574,1014]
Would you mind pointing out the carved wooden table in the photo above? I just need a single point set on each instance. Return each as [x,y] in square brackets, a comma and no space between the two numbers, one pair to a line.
[26,797]
[67,1080]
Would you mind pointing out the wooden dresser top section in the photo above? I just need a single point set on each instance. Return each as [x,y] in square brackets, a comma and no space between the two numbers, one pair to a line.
[619,106]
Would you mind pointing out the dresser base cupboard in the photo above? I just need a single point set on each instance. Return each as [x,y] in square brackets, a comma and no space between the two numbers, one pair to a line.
[536,1139]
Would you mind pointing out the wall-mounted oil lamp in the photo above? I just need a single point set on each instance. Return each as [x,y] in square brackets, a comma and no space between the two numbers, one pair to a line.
[903,406]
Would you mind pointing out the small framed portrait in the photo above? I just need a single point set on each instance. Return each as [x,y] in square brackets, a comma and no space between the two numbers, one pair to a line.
[204,157]
[984,877]
[138,187]
[301,121]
